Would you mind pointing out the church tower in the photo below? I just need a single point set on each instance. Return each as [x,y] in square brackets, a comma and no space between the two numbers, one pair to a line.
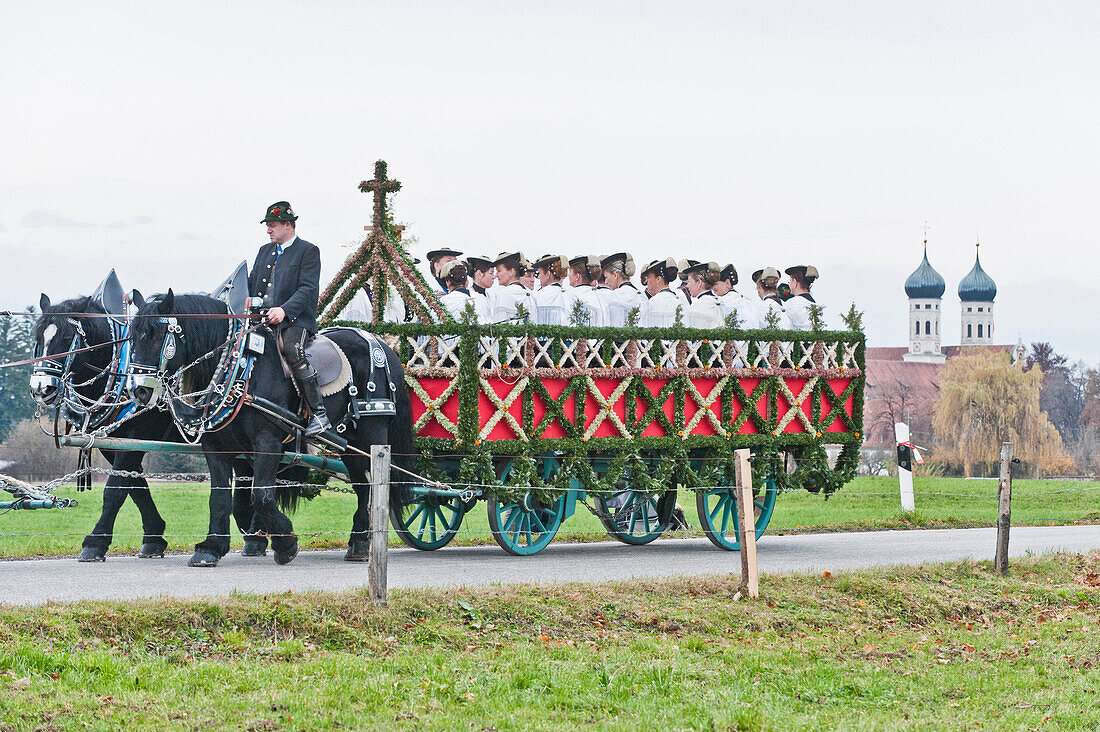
[925,288]
[976,291]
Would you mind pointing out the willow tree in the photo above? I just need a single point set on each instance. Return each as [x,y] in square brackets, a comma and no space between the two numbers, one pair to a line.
[984,400]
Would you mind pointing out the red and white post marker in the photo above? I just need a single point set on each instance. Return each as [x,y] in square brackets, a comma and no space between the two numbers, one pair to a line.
[906,453]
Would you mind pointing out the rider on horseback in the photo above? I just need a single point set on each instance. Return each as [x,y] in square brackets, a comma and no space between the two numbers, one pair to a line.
[287,275]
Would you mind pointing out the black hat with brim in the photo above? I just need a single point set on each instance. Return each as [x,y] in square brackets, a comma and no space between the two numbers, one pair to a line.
[442,252]
[729,272]
[279,211]
[476,262]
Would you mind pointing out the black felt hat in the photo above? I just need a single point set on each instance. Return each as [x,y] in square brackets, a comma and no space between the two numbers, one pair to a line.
[729,272]
[279,211]
[476,262]
[441,252]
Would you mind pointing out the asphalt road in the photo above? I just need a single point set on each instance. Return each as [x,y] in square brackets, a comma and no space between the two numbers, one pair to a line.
[32,582]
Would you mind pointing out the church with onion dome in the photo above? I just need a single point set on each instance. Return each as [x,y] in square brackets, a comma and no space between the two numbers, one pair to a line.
[902,382]
[925,289]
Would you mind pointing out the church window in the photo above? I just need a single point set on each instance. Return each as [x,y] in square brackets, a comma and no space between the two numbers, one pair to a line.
[969,330]
[970,310]
[981,310]
[918,327]
[937,306]
[928,327]
[937,327]
[979,330]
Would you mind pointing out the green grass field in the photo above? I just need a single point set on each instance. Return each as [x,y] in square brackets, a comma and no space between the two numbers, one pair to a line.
[948,647]
[324,522]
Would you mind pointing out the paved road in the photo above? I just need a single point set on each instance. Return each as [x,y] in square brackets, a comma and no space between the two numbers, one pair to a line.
[32,582]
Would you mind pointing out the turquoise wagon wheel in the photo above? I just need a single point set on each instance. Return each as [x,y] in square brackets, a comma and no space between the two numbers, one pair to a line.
[718,513]
[526,524]
[429,522]
[633,517]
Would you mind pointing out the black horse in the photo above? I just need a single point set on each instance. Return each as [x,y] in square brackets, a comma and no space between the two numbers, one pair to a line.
[75,385]
[261,434]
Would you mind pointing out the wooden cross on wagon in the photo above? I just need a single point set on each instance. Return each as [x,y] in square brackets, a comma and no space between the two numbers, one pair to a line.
[380,186]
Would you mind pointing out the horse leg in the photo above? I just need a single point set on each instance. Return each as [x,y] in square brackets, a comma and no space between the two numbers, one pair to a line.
[216,545]
[94,548]
[153,543]
[275,523]
[255,545]
[359,541]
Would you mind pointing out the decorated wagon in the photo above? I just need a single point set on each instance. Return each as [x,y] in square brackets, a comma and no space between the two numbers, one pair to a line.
[534,419]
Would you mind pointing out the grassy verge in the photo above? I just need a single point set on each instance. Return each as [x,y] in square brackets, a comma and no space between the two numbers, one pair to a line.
[866,503]
[948,647]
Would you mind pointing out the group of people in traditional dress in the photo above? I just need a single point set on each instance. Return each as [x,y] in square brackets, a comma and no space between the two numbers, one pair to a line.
[600,291]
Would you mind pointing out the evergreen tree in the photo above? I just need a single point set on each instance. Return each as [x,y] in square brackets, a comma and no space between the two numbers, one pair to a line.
[16,344]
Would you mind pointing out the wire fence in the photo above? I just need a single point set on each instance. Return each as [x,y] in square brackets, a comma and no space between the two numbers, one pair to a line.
[472,491]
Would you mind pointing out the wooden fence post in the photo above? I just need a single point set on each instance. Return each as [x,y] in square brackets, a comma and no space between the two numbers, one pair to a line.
[746,525]
[1004,504]
[379,522]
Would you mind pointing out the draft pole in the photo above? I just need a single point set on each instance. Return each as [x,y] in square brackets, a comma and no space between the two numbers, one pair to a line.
[905,466]
[379,522]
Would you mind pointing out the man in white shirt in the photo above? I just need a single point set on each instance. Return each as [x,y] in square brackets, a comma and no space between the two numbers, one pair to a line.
[767,280]
[482,273]
[553,302]
[508,295]
[456,279]
[703,312]
[437,258]
[798,306]
[731,302]
[663,304]
[582,271]
[622,296]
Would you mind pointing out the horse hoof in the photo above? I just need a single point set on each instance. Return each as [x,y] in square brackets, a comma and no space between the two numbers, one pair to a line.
[92,554]
[151,551]
[202,559]
[287,556]
[358,551]
[254,548]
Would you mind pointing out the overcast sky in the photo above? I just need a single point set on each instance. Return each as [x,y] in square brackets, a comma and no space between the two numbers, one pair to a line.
[151,138]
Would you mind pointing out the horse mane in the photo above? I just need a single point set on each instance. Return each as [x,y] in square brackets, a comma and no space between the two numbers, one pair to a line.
[96,329]
[200,335]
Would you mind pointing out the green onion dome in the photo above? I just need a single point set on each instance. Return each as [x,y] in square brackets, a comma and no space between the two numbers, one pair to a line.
[925,282]
[977,286]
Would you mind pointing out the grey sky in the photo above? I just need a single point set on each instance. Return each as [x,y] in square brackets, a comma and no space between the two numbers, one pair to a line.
[152,140]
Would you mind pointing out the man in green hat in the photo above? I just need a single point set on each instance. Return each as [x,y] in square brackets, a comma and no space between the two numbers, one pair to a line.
[287,275]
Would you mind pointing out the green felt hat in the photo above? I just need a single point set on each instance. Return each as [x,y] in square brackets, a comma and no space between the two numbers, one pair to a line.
[279,211]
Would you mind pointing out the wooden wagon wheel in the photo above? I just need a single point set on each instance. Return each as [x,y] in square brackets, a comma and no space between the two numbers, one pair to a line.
[634,517]
[526,524]
[430,522]
[718,513]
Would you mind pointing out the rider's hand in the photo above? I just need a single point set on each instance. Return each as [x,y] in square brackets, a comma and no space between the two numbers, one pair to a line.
[275,315]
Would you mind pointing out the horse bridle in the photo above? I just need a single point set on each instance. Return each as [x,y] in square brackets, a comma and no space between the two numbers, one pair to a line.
[152,377]
[50,373]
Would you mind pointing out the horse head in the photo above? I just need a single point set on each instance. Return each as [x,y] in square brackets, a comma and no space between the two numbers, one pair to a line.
[63,377]
[165,339]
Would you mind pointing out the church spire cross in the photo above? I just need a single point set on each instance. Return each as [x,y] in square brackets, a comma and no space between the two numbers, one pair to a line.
[380,186]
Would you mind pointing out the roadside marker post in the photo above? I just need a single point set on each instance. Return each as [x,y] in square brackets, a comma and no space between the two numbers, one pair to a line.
[379,522]
[905,466]
[1004,505]
[746,525]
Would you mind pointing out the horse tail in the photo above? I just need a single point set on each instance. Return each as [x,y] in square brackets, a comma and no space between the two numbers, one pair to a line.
[287,495]
[402,443]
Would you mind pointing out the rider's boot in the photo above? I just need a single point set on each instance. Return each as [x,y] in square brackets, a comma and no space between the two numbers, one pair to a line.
[311,392]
